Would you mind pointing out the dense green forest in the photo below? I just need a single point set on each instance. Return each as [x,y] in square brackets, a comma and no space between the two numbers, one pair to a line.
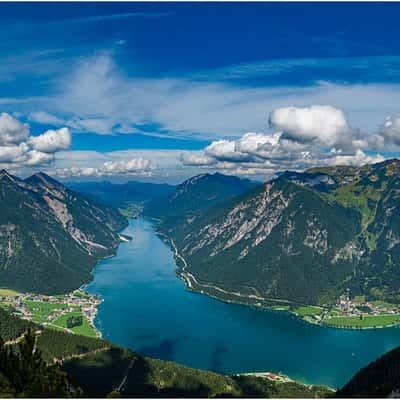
[379,379]
[198,194]
[50,236]
[24,373]
[303,237]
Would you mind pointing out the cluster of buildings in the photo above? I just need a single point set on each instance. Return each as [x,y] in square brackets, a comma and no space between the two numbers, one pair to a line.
[351,307]
[86,303]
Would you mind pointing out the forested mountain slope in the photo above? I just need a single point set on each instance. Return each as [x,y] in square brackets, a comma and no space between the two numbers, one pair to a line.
[379,379]
[198,194]
[303,237]
[50,236]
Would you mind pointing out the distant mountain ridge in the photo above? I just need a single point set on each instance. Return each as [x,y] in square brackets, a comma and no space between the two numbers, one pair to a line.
[302,237]
[50,236]
[199,193]
[122,195]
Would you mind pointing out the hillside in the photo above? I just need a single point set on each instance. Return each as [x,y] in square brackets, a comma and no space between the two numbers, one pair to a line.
[198,194]
[379,379]
[96,368]
[302,238]
[50,236]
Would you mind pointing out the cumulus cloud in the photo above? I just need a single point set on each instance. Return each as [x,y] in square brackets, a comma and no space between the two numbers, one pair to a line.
[128,167]
[391,130]
[51,140]
[306,137]
[133,166]
[19,148]
[12,131]
[322,123]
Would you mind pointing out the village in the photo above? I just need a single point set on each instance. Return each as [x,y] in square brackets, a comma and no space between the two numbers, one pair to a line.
[352,313]
[74,312]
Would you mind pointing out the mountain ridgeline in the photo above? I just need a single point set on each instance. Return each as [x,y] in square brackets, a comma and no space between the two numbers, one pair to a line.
[301,238]
[123,195]
[197,194]
[50,236]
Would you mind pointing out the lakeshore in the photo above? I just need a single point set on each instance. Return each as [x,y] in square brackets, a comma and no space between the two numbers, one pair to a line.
[147,309]
[346,313]
[74,312]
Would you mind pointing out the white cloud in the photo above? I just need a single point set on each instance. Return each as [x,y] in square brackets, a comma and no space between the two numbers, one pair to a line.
[359,158]
[13,152]
[51,140]
[18,148]
[225,150]
[102,97]
[129,167]
[43,117]
[38,158]
[322,123]
[12,131]
[391,130]
[197,159]
[307,137]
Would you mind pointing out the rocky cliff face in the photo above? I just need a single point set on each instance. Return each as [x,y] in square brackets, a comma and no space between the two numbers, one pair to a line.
[51,237]
[303,237]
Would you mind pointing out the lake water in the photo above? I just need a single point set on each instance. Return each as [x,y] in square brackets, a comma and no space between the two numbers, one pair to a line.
[148,309]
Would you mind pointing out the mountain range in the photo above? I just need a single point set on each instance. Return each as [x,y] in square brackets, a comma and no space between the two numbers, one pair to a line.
[123,195]
[198,194]
[300,238]
[50,236]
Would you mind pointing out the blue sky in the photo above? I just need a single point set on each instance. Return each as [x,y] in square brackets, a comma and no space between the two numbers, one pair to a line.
[161,91]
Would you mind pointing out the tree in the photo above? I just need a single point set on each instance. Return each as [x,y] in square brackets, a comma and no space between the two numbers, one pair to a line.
[25,373]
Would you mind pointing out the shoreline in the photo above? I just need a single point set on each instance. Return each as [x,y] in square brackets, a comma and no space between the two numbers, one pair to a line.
[122,239]
[249,300]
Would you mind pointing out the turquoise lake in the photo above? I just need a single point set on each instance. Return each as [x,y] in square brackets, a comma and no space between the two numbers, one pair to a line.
[148,309]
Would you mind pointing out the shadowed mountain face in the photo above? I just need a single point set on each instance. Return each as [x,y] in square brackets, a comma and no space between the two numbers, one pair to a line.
[303,237]
[379,379]
[198,194]
[50,236]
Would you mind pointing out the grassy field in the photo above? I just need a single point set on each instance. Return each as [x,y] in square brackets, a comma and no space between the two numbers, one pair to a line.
[84,329]
[308,310]
[383,303]
[366,322]
[41,310]
[8,292]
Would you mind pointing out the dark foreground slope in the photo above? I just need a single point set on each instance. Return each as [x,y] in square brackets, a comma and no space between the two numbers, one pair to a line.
[379,379]
[50,236]
[96,368]
[303,237]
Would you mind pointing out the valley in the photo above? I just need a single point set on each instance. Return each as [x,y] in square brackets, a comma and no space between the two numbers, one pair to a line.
[133,299]
[146,308]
